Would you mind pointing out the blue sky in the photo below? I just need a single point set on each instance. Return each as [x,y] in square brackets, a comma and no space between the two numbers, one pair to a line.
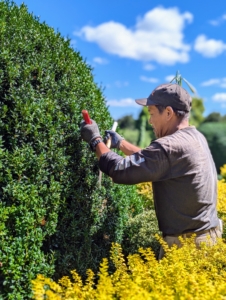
[133,46]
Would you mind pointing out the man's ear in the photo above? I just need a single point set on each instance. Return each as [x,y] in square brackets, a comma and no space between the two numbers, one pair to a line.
[169,112]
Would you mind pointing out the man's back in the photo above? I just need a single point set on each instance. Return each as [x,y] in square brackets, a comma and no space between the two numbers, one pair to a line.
[185,199]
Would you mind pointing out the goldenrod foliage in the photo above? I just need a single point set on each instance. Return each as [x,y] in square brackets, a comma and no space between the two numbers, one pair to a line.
[221,199]
[221,203]
[185,273]
[145,190]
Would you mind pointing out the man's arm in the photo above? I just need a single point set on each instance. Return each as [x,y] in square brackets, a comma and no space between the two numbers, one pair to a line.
[150,164]
[126,147]
[101,148]
[90,133]
[118,142]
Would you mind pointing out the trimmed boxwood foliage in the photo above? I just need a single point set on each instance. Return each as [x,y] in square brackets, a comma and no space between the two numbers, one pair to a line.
[140,232]
[53,215]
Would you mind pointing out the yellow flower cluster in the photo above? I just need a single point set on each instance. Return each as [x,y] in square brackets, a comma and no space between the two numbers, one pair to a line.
[145,190]
[221,199]
[221,203]
[183,274]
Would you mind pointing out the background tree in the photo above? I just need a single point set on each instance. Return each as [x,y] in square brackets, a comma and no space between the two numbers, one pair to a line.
[197,110]
[223,171]
[216,138]
[214,117]
[127,122]
[146,133]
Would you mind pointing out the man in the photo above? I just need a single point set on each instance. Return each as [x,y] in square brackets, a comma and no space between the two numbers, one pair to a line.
[178,163]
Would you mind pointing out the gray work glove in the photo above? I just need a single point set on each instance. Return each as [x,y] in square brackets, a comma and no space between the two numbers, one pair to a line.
[115,138]
[89,132]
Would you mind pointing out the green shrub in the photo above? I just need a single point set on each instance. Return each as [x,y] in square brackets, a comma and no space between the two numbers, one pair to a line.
[140,232]
[197,110]
[53,215]
[127,122]
[216,138]
[223,171]
[130,135]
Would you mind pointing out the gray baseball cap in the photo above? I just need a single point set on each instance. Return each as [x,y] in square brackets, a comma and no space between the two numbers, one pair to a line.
[168,94]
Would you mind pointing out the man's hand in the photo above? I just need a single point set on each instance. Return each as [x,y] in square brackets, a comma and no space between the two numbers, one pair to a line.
[89,132]
[115,138]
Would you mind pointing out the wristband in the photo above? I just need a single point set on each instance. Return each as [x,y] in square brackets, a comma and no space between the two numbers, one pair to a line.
[94,143]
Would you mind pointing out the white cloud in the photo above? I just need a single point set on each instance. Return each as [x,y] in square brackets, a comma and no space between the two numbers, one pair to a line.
[169,78]
[209,47]
[120,84]
[221,82]
[100,61]
[149,67]
[148,79]
[214,22]
[219,97]
[122,103]
[210,82]
[156,36]
[218,21]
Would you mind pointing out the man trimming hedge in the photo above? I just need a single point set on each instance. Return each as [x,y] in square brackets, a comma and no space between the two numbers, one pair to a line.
[178,163]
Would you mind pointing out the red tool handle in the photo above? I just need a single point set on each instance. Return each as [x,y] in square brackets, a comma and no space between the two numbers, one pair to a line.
[86,116]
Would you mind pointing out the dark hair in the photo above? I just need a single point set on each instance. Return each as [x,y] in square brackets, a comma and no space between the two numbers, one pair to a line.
[179,113]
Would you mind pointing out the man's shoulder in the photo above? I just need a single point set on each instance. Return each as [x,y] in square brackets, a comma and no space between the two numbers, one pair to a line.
[180,138]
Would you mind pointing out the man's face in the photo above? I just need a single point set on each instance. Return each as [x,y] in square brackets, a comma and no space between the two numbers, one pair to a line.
[158,121]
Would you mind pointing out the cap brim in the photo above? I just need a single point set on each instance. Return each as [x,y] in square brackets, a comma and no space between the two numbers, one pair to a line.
[146,101]
[142,101]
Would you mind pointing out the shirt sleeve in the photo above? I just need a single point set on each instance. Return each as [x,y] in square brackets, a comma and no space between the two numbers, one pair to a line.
[149,164]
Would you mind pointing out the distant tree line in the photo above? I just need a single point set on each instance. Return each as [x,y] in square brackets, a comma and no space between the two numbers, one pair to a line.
[213,126]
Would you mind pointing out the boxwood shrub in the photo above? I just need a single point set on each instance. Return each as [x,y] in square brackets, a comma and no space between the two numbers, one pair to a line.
[54,217]
[140,232]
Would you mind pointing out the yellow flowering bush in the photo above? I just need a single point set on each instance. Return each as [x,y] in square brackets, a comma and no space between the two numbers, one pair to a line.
[221,199]
[221,203]
[183,274]
[145,190]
